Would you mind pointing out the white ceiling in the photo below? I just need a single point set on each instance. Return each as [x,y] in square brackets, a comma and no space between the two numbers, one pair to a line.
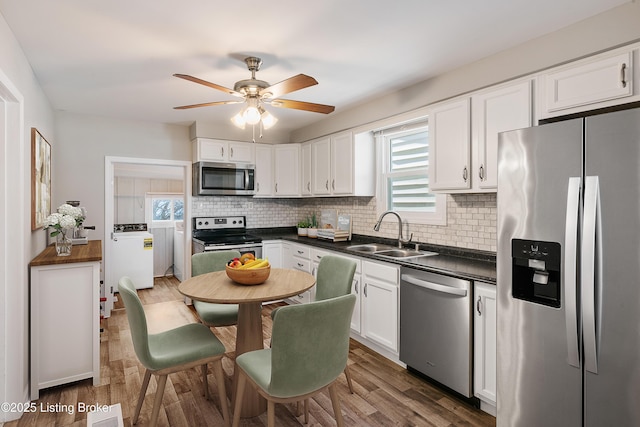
[115,58]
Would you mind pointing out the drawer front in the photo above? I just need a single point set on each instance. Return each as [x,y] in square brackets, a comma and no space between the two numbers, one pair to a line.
[385,272]
[301,251]
[317,254]
[301,264]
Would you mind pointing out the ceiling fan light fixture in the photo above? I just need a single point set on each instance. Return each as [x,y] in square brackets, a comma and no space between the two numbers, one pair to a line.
[268,119]
[238,120]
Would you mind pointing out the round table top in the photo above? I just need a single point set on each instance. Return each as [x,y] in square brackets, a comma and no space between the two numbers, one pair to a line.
[216,287]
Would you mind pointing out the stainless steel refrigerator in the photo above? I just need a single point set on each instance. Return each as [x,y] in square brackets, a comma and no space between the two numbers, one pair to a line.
[568,277]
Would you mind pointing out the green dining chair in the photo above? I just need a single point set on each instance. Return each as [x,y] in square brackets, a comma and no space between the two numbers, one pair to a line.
[334,278]
[309,350]
[212,314]
[171,351]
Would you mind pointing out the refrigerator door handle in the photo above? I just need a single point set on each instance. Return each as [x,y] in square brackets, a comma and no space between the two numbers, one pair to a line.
[590,268]
[571,271]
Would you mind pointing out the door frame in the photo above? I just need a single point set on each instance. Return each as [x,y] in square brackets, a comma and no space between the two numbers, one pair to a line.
[14,251]
[109,179]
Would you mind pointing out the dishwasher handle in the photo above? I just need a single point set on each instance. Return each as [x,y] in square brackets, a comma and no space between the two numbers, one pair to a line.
[434,286]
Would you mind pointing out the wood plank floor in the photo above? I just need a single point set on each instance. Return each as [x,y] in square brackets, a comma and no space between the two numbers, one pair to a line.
[385,393]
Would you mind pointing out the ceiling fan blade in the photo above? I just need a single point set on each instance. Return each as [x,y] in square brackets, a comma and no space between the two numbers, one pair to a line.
[206,104]
[209,84]
[299,105]
[289,85]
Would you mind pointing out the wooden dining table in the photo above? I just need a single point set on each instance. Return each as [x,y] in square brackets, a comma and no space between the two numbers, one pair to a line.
[217,287]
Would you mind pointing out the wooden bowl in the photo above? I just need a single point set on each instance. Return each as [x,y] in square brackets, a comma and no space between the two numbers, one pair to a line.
[251,276]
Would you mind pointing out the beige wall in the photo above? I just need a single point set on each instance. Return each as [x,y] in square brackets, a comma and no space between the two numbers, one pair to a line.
[87,140]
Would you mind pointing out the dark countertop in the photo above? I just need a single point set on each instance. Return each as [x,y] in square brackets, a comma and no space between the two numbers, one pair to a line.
[457,262]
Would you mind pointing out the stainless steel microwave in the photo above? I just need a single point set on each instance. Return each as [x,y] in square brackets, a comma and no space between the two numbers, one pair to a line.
[231,179]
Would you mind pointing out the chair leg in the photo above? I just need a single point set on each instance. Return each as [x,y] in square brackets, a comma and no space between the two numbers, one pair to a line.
[162,381]
[217,370]
[271,413]
[205,383]
[335,402]
[306,411]
[242,380]
[143,391]
[348,375]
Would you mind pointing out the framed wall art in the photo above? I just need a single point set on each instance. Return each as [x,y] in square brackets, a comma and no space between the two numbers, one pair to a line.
[40,179]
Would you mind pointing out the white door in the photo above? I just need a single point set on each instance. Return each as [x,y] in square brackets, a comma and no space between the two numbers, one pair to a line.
[264,170]
[321,158]
[342,163]
[449,147]
[380,312]
[287,170]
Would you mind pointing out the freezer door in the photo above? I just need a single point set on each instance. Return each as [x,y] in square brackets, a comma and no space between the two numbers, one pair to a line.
[537,386]
[613,156]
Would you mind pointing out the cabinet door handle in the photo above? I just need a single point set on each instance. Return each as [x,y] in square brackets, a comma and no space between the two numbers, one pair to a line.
[231,152]
[300,265]
[300,252]
[355,287]
[333,184]
[276,187]
[464,174]
[623,70]
[479,306]
[481,172]
[258,187]
[326,185]
[365,290]
[221,151]
[309,186]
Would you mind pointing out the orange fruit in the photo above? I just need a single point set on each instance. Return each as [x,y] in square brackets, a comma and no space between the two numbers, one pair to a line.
[244,258]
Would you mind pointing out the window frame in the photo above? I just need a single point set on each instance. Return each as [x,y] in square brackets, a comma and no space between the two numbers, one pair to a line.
[382,138]
[149,199]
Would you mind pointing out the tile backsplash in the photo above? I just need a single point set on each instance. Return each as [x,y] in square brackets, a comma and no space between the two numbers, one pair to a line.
[471,218]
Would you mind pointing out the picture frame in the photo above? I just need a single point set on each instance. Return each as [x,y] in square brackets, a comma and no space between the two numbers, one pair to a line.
[40,179]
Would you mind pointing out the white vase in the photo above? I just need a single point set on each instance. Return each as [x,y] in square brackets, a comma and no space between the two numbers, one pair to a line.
[312,233]
[302,231]
[63,245]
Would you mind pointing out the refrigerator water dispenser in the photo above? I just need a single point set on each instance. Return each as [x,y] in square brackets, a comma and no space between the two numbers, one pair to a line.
[536,271]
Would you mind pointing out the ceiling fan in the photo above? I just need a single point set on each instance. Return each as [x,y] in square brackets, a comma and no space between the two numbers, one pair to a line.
[256,92]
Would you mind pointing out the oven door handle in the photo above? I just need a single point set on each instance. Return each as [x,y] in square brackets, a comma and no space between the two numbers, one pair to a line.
[228,247]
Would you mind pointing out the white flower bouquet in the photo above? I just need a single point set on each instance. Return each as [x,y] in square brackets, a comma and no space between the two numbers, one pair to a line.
[66,218]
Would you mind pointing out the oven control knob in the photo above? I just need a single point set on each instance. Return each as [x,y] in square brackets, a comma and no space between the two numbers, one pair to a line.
[199,222]
[206,223]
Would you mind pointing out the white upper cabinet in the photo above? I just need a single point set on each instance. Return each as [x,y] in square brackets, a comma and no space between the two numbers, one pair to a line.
[264,179]
[306,168]
[286,170]
[463,146]
[217,150]
[450,145]
[321,166]
[343,164]
[600,81]
[493,111]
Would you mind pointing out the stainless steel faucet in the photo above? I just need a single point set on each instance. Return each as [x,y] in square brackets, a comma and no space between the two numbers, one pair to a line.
[400,239]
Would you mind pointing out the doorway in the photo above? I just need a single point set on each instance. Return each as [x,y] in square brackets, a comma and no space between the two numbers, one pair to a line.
[132,170]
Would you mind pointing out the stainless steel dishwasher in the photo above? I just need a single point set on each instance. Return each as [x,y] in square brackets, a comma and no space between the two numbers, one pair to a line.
[435,328]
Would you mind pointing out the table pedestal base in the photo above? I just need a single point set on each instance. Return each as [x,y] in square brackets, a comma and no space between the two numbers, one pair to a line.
[249,338]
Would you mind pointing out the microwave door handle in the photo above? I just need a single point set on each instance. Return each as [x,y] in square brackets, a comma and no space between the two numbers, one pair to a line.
[246,179]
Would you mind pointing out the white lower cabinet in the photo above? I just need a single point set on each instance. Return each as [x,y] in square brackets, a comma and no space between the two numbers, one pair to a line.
[484,381]
[298,258]
[272,250]
[379,304]
[316,256]
[65,323]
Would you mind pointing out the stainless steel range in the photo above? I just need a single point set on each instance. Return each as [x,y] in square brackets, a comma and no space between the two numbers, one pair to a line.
[224,233]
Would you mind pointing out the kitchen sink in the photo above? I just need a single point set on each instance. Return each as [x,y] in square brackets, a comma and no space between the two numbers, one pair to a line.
[388,251]
[403,253]
[369,248]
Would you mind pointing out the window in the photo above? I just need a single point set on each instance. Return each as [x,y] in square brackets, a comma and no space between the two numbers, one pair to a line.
[404,185]
[166,208]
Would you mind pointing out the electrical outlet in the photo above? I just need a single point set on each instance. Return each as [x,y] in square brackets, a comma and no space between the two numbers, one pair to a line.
[250,205]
